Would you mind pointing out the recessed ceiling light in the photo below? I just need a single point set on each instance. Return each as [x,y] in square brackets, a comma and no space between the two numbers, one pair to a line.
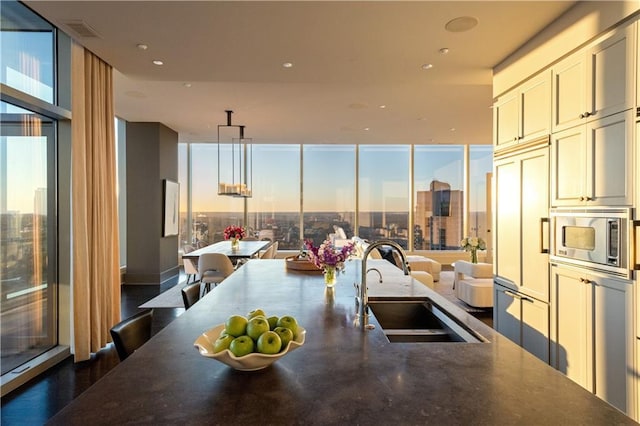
[461,24]
[186,84]
[444,50]
[366,129]
[158,62]
[427,66]
[453,129]
[142,46]
[287,65]
[382,106]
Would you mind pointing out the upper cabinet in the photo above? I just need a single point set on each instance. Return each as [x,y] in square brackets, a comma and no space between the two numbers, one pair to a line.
[595,82]
[637,70]
[592,123]
[569,92]
[592,164]
[524,113]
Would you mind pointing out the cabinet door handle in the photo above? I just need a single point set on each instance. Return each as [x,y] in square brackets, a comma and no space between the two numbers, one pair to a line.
[526,299]
[585,114]
[512,294]
[585,281]
[543,220]
[635,245]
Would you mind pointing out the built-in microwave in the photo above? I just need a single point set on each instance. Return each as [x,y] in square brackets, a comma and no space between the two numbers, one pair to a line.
[593,238]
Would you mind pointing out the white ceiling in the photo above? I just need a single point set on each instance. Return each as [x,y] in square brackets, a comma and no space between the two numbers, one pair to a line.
[349,58]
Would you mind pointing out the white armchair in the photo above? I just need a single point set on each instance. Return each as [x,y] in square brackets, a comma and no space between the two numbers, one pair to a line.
[473,283]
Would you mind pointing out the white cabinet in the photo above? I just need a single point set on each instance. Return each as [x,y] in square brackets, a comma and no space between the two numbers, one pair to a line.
[523,114]
[569,92]
[592,333]
[592,164]
[521,226]
[638,69]
[595,82]
[523,320]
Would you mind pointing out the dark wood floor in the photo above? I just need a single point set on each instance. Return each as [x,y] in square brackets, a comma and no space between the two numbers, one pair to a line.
[41,398]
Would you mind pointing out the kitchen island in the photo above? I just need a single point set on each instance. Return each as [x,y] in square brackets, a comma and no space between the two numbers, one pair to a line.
[342,374]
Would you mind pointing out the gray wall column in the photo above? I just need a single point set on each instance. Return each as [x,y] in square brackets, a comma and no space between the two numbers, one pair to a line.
[152,156]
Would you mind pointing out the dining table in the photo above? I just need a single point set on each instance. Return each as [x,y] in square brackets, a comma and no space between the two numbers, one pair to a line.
[342,374]
[245,250]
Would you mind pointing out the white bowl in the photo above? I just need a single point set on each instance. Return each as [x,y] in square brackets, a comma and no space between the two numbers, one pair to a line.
[253,361]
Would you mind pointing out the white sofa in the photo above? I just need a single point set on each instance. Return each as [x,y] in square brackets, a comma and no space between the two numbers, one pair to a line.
[421,263]
[422,268]
[424,277]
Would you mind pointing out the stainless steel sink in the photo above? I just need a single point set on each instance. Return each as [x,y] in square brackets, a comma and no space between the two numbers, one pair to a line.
[405,321]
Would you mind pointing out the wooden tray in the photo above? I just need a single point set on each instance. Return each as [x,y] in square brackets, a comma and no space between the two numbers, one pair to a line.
[296,264]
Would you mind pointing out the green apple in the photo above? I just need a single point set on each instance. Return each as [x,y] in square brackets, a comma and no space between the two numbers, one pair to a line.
[236,325]
[222,343]
[289,322]
[286,335]
[269,343]
[241,346]
[255,313]
[256,326]
[273,321]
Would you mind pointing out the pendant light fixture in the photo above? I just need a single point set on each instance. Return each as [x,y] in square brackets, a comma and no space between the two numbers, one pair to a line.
[235,160]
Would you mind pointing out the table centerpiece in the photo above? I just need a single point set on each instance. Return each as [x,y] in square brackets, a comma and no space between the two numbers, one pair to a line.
[235,234]
[328,258]
[473,244]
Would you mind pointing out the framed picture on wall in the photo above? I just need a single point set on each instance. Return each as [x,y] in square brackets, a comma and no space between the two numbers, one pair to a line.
[171,195]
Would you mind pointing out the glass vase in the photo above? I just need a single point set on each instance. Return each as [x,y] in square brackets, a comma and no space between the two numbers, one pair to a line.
[235,244]
[330,276]
[474,256]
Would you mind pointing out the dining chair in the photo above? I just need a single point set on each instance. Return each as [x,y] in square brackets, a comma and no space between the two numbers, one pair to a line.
[189,267]
[213,268]
[201,244]
[131,333]
[270,253]
[190,294]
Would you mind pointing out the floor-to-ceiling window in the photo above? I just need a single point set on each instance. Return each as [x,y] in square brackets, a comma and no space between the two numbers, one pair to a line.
[439,197]
[274,209]
[383,192]
[184,226]
[329,191]
[480,166]
[210,212]
[28,273]
[342,183]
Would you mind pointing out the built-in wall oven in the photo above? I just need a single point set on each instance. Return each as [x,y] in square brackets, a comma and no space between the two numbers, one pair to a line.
[599,239]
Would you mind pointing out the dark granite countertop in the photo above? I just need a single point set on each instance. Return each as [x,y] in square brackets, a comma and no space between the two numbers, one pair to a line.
[342,375]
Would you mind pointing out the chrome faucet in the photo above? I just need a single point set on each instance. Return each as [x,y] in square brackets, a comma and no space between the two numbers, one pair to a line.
[376,270]
[362,299]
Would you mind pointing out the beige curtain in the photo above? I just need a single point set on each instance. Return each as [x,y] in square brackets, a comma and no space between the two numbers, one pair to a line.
[96,264]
